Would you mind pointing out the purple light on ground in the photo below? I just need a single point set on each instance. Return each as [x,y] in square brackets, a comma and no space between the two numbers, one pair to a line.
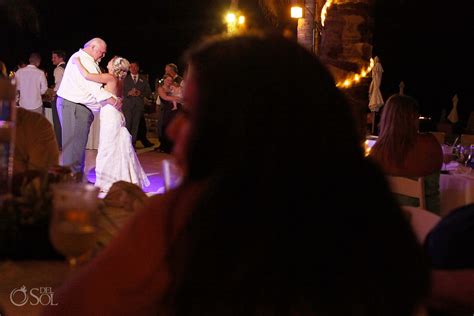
[91,175]
[157,183]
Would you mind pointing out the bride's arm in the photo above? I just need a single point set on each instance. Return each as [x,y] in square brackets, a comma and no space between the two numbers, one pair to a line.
[117,102]
[100,78]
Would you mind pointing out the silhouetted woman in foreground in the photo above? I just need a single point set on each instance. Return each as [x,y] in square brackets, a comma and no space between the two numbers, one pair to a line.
[255,229]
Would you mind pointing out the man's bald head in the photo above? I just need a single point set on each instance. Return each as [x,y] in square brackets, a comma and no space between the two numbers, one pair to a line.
[96,48]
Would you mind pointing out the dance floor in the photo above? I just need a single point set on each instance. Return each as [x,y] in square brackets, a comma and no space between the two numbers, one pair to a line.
[151,161]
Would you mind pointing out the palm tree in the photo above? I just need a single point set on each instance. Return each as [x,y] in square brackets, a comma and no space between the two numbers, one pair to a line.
[275,10]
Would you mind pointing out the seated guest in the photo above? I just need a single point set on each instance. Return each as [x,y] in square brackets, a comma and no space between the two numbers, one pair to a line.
[245,233]
[449,246]
[401,150]
[35,144]
[452,292]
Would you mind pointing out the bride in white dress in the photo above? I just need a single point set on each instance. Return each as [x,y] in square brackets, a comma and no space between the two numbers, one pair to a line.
[116,159]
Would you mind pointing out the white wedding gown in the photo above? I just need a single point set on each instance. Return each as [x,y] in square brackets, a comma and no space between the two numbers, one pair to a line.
[116,159]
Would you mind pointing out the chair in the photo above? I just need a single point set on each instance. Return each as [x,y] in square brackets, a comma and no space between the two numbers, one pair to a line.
[409,187]
[421,221]
[440,136]
[151,120]
[470,124]
[467,139]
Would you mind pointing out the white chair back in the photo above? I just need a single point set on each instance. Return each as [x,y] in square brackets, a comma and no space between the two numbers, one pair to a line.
[440,136]
[409,187]
[467,139]
[421,221]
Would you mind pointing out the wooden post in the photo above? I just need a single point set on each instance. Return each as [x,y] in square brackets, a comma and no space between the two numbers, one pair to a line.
[373,122]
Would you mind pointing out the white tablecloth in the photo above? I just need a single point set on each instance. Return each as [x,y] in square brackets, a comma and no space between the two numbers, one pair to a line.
[93,140]
[455,190]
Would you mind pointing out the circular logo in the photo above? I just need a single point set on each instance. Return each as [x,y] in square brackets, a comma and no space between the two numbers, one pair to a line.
[18,294]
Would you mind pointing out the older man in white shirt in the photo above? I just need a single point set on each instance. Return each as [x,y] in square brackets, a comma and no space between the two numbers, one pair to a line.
[78,97]
[31,84]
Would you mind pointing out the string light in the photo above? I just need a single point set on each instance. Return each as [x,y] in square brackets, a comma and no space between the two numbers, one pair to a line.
[353,79]
[324,11]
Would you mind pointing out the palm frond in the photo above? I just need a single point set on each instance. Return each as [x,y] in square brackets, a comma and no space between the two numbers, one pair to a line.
[275,10]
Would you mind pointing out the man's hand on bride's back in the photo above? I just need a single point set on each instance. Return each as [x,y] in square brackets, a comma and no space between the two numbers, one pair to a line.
[118,105]
[113,101]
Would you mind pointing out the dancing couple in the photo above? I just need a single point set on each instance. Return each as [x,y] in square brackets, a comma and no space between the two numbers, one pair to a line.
[83,89]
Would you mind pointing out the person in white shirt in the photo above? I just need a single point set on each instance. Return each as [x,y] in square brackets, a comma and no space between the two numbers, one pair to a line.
[77,97]
[57,58]
[31,84]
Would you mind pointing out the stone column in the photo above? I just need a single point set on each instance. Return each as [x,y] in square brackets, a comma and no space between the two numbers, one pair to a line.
[346,48]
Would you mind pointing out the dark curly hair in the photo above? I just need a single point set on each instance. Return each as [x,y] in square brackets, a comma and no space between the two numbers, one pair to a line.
[279,231]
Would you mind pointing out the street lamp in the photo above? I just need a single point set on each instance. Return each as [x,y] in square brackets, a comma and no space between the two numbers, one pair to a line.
[234,19]
[296,12]
[235,22]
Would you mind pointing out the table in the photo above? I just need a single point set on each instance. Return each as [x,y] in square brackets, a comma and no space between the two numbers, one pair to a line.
[93,140]
[455,190]
[36,276]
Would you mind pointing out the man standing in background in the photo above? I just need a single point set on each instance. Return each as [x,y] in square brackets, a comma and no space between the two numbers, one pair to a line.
[57,57]
[135,89]
[172,70]
[31,84]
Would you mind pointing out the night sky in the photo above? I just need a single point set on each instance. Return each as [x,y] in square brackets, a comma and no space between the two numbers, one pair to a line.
[418,41]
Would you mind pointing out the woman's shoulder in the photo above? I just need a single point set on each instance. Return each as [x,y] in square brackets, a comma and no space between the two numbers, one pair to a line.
[428,138]
[428,143]
[428,154]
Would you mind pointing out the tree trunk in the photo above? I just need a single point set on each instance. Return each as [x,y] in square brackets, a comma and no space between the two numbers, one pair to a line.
[307,26]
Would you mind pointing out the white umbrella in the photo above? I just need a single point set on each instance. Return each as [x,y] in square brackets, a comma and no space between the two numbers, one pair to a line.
[402,88]
[375,96]
[453,115]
